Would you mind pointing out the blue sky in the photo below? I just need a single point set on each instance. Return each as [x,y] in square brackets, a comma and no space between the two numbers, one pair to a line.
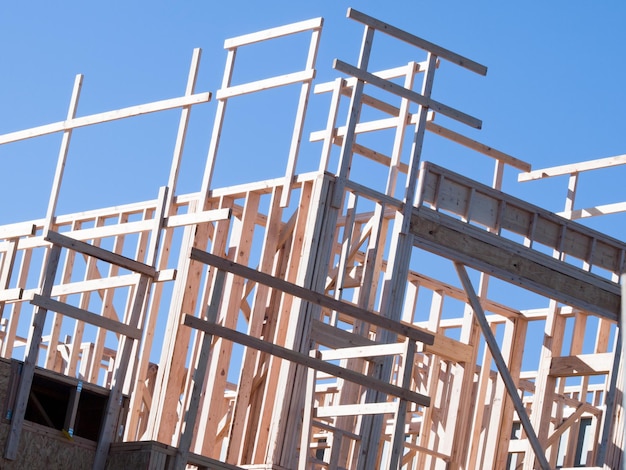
[553,94]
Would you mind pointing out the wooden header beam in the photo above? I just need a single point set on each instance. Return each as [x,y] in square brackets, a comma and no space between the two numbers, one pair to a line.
[513,262]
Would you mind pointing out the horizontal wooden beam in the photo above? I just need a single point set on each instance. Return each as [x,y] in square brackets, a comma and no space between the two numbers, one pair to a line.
[401,328]
[477,146]
[515,263]
[271,33]
[191,218]
[22,229]
[358,409]
[100,253]
[108,116]
[375,350]
[417,42]
[265,84]
[13,294]
[303,359]
[603,209]
[86,316]
[408,94]
[572,168]
[581,364]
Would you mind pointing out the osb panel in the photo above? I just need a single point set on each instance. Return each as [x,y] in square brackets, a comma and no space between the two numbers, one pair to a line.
[137,459]
[40,451]
[5,375]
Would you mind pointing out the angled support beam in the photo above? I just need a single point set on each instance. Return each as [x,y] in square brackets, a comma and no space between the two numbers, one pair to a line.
[305,360]
[403,329]
[511,388]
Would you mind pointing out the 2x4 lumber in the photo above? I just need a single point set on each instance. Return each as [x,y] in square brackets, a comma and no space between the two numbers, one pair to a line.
[358,409]
[400,328]
[11,295]
[265,84]
[431,126]
[303,359]
[572,168]
[271,33]
[408,94]
[514,263]
[181,135]
[86,316]
[65,145]
[32,353]
[296,137]
[477,146]
[100,253]
[333,337]
[199,374]
[371,351]
[603,209]
[354,113]
[105,117]
[126,228]
[22,229]
[387,74]
[417,42]
[120,372]
[252,378]
[511,388]
[581,365]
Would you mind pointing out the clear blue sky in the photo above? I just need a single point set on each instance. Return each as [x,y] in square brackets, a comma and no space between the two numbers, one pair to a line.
[554,92]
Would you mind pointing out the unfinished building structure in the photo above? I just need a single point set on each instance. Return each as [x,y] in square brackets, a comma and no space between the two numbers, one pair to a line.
[120,325]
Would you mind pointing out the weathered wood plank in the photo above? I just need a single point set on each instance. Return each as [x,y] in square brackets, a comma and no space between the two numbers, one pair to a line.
[317,298]
[417,41]
[86,316]
[303,359]
[100,253]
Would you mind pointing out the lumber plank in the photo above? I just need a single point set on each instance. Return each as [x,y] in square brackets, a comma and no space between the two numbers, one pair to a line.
[356,410]
[581,365]
[100,253]
[409,94]
[272,33]
[417,41]
[572,168]
[474,145]
[30,362]
[303,359]
[265,84]
[315,297]
[86,316]
[370,351]
[105,117]
[501,364]
[21,229]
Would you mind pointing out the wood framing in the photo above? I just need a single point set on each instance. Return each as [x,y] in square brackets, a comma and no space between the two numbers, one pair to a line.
[321,320]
